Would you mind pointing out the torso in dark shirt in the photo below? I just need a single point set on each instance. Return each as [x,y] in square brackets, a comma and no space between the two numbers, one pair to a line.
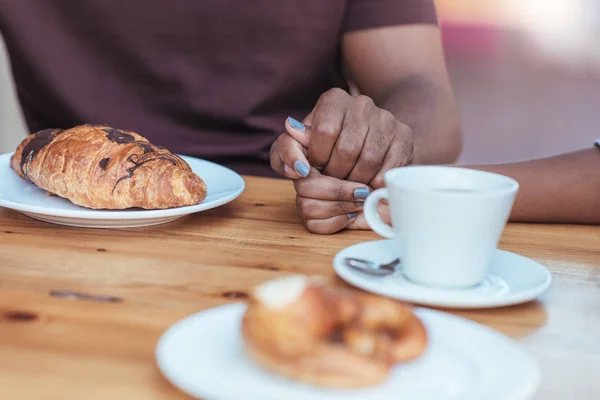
[212,78]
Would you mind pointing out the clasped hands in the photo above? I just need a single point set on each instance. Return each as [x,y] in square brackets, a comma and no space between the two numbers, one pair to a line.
[337,155]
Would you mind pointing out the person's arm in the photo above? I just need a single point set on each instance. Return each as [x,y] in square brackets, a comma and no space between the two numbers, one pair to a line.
[406,113]
[558,189]
[402,69]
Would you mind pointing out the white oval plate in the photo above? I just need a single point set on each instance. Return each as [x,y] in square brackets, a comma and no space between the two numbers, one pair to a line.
[512,279]
[202,355]
[224,185]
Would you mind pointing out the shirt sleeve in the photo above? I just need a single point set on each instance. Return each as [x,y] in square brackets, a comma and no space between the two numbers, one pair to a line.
[365,14]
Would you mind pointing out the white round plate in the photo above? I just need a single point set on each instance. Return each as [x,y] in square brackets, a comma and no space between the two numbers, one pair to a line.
[224,185]
[202,355]
[512,279]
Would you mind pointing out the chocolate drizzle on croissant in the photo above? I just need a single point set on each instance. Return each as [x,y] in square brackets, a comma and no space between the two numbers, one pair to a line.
[138,161]
[104,162]
[37,143]
[120,137]
[98,166]
[151,153]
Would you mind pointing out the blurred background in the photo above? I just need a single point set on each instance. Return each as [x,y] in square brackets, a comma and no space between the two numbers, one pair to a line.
[526,74]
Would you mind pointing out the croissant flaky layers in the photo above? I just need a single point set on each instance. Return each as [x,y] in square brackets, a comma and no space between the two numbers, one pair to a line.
[101,167]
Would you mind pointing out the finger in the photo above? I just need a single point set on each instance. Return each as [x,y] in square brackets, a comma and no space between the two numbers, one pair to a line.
[360,222]
[351,140]
[326,126]
[292,155]
[322,187]
[376,146]
[330,225]
[297,130]
[400,154]
[309,118]
[279,166]
[323,209]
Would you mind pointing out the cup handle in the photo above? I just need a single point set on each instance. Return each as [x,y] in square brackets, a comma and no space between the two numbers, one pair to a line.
[372,216]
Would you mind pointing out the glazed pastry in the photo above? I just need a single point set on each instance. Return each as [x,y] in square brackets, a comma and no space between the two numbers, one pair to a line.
[303,329]
[101,167]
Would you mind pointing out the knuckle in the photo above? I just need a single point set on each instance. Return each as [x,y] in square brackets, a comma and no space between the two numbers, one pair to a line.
[311,226]
[284,144]
[334,93]
[279,149]
[378,181]
[300,187]
[331,101]
[402,127]
[273,149]
[347,149]
[406,146]
[274,156]
[307,188]
[402,153]
[371,159]
[280,139]
[388,120]
[326,129]
[319,227]
[364,101]
[402,130]
[305,207]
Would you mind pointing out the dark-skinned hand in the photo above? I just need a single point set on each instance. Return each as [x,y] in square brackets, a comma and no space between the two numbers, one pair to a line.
[345,137]
[337,155]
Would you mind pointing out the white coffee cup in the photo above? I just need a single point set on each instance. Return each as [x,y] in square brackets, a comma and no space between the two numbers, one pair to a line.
[446,221]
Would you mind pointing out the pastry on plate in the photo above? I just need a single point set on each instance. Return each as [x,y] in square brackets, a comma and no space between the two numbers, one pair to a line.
[304,329]
[101,167]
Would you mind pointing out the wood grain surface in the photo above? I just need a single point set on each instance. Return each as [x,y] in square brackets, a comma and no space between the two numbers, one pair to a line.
[140,281]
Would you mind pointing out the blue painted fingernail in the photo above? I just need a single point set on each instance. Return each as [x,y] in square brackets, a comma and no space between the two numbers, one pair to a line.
[296,124]
[353,215]
[301,168]
[362,193]
[360,203]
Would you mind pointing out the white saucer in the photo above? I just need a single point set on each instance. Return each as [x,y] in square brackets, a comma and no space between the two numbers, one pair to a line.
[202,355]
[224,185]
[512,279]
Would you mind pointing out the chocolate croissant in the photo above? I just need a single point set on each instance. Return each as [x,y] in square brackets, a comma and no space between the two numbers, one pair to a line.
[101,167]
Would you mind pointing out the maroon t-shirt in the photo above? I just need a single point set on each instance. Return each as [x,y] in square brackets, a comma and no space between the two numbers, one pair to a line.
[209,78]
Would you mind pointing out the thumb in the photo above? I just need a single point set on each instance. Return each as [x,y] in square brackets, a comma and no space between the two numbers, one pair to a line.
[299,131]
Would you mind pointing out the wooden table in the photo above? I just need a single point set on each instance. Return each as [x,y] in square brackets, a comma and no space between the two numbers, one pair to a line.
[54,346]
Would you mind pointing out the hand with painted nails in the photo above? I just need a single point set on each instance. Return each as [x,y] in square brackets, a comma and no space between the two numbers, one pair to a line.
[345,137]
[289,155]
[329,204]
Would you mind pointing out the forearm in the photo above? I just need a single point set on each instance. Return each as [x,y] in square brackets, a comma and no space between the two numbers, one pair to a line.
[430,110]
[560,189]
